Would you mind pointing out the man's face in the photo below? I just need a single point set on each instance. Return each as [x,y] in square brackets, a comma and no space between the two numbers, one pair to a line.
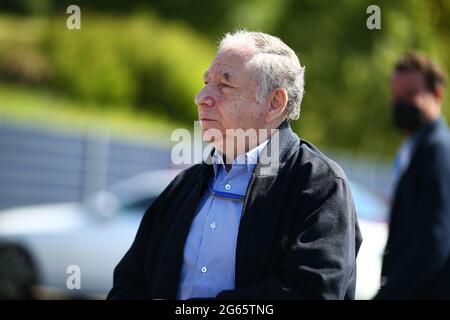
[228,99]
[410,86]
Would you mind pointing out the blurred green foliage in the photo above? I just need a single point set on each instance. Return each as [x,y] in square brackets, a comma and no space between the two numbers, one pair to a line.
[135,61]
[348,66]
[150,55]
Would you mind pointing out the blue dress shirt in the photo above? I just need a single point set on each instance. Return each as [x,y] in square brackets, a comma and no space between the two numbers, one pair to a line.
[209,252]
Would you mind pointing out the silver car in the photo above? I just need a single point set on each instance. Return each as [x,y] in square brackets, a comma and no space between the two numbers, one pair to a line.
[42,248]
[45,244]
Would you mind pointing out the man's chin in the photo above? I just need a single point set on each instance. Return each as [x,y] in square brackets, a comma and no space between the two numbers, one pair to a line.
[211,134]
[212,138]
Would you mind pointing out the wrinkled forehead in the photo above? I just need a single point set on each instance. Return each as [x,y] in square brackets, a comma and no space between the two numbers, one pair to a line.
[229,63]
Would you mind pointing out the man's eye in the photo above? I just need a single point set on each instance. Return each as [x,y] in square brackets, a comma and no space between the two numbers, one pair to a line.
[226,85]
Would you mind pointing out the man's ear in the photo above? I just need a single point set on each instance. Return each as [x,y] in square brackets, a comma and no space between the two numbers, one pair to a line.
[277,104]
[438,92]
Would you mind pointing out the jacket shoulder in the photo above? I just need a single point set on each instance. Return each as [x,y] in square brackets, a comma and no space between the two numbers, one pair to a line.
[191,171]
[188,175]
[435,148]
[439,138]
[317,165]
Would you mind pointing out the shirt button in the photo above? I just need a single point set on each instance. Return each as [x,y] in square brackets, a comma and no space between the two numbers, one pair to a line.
[204,269]
[213,225]
[227,186]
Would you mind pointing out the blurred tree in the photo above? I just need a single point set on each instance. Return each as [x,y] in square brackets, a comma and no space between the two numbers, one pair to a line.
[26,6]
[138,61]
[346,105]
[126,56]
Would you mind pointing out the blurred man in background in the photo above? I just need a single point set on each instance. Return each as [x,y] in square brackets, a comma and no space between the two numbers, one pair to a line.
[416,264]
[242,228]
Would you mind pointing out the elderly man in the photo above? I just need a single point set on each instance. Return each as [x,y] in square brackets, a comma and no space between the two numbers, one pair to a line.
[265,220]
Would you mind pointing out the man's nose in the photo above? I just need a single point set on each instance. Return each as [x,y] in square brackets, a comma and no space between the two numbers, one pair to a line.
[204,99]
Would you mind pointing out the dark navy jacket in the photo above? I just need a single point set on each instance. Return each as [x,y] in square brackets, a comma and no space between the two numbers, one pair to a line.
[298,236]
[416,264]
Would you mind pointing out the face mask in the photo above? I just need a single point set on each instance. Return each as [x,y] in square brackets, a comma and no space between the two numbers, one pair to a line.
[407,116]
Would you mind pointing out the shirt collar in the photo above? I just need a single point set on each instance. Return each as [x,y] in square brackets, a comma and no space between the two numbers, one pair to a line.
[249,159]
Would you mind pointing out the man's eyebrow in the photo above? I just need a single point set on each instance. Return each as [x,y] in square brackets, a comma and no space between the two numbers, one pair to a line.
[224,75]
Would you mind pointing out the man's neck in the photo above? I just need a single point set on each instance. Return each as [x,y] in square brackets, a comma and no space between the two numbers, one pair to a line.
[229,156]
[231,148]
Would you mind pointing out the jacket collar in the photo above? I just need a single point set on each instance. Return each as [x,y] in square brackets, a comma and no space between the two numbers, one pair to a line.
[424,132]
[427,129]
[277,152]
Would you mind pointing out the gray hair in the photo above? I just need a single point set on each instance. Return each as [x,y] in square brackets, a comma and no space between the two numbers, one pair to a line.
[276,66]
